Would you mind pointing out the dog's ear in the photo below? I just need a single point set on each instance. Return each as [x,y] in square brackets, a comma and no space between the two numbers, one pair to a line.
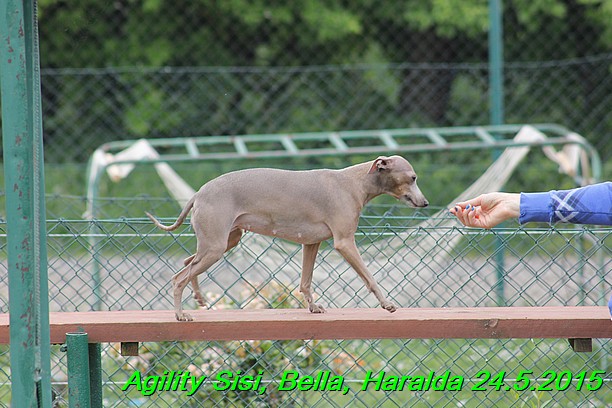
[381,164]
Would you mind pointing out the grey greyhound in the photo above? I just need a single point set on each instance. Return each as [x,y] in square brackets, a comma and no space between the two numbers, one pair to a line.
[306,207]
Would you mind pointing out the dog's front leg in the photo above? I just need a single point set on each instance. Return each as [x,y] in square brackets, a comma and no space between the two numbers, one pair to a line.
[348,249]
[309,255]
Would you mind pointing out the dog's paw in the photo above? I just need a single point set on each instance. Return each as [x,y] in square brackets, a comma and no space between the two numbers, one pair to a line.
[183,317]
[390,307]
[314,308]
[202,302]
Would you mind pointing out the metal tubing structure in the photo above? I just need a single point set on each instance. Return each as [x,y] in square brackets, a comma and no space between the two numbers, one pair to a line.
[25,205]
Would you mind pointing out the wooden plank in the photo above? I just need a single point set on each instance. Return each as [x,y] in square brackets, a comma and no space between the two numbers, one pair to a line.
[292,324]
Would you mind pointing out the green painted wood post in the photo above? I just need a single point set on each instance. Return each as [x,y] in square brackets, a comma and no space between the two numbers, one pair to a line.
[25,204]
[78,370]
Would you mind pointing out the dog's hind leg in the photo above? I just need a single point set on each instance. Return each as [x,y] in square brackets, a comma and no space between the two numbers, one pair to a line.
[203,259]
[211,244]
[232,241]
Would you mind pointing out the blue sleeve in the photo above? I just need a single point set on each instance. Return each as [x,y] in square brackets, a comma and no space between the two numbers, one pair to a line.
[585,205]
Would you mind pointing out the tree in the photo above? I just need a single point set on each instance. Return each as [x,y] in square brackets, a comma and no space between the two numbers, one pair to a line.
[411,44]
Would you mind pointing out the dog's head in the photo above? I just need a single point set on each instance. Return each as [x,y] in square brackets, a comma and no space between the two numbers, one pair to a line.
[397,178]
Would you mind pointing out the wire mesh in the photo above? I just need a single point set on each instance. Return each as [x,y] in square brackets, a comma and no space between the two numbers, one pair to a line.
[218,101]
[543,267]
[158,68]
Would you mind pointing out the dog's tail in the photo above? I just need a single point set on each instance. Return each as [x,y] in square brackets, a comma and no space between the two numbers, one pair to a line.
[179,220]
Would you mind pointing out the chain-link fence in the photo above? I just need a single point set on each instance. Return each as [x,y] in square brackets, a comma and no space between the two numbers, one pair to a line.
[133,262]
[158,68]
[542,267]
[108,104]
[131,69]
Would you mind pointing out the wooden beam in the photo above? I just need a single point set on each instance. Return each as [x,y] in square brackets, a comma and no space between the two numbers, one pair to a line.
[129,348]
[584,322]
[581,345]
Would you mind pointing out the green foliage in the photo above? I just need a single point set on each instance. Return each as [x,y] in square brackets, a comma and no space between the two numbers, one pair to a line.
[367,42]
[149,33]
[449,18]
[599,13]
[329,21]
[531,14]
[143,116]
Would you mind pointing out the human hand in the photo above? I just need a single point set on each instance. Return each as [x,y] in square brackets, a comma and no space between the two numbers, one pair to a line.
[487,210]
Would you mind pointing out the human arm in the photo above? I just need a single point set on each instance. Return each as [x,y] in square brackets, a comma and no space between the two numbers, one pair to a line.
[585,205]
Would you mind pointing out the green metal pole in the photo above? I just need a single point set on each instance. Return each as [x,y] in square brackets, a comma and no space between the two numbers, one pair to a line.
[25,205]
[31,8]
[94,245]
[78,370]
[496,63]
[496,114]
[94,242]
[95,374]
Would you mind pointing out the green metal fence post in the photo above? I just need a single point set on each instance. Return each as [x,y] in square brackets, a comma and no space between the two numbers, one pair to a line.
[496,114]
[95,374]
[25,204]
[78,370]
[93,178]
[496,63]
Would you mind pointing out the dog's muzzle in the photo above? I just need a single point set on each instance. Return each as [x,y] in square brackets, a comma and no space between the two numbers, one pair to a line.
[416,203]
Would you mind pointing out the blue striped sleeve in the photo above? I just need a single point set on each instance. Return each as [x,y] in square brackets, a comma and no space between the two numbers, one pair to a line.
[585,205]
